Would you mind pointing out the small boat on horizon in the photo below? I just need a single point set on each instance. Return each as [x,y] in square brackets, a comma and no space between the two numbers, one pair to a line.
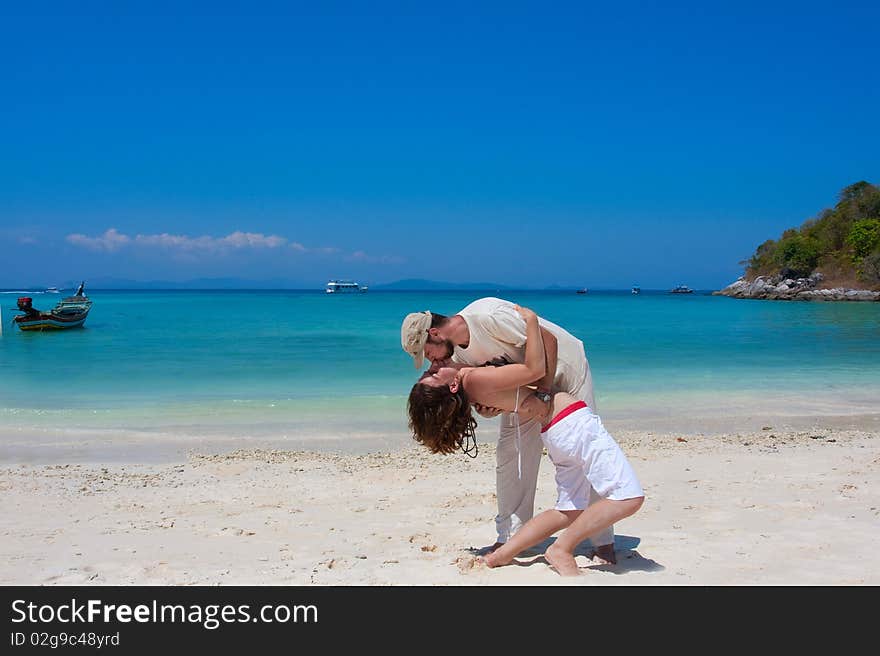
[344,287]
[636,290]
[582,290]
[52,290]
[70,312]
[681,289]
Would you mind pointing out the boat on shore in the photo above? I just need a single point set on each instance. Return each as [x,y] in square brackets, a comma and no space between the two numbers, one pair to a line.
[70,312]
[681,289]
[344,287]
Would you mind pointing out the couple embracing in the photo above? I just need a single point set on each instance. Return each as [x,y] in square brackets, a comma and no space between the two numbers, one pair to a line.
[503,359]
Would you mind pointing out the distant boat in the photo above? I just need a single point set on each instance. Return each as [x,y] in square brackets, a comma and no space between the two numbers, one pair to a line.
[52,290]
[636,290]
[583,290]
[344,287]
[681,289]
[70,312]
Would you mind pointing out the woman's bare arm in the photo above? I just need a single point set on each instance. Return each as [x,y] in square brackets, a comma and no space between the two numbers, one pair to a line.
[484,380]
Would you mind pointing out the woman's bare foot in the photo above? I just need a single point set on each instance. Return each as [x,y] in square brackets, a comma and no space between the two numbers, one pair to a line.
[497,558]
[561,560]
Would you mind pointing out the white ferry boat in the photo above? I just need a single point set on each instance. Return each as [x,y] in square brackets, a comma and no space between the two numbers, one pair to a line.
[344,287]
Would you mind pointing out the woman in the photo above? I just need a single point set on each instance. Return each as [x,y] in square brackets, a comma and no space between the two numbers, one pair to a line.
[582,451]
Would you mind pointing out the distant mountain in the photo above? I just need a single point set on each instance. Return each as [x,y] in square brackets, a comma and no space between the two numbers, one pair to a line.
[418,284]
[408,284]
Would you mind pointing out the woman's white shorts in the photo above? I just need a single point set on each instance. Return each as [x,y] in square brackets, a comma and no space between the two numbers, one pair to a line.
[586,455]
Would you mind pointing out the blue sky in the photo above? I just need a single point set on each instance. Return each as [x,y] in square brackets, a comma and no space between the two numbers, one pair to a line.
[532,144]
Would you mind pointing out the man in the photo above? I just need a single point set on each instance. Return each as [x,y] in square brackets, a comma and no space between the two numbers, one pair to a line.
[490,331]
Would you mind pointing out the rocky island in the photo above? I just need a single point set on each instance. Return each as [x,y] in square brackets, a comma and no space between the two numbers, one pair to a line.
[775,288]
[832,257]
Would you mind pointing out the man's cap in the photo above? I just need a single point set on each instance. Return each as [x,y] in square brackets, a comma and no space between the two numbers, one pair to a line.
[414,334]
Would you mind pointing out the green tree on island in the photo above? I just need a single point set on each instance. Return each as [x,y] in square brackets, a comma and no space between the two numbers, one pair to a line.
[841,243]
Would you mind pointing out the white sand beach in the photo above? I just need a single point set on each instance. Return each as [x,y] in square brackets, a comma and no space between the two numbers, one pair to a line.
[784,503]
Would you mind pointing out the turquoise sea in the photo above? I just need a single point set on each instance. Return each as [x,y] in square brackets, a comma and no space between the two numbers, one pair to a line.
[300,366]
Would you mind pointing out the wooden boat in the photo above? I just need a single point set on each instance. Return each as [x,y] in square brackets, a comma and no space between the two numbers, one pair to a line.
[70,312]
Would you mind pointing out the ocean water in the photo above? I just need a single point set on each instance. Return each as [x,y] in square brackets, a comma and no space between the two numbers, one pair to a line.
[295,365]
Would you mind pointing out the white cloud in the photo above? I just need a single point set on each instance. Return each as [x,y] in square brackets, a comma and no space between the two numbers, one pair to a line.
[111,240]
[182,242]
[235,240]
[253,240]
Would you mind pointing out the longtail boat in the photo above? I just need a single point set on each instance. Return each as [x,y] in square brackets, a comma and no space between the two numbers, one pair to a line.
[70,312]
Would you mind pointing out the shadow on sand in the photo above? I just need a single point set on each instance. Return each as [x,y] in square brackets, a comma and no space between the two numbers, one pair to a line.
[628,559]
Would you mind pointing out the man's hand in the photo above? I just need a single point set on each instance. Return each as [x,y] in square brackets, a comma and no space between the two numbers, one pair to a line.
[525,313]
[487,411]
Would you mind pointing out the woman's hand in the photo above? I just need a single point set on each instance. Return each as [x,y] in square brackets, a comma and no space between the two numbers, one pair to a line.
[487,411]
[525,312]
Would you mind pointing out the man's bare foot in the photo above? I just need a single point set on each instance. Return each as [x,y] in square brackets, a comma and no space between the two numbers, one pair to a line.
[562,561]
[606,553]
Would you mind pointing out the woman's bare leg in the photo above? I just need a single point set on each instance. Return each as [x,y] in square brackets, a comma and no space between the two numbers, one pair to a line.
[538,528]
[596,517]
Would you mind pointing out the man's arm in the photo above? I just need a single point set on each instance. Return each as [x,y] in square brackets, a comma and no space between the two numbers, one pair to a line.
[544,384]
[511,376]
[506,325]
[551,352]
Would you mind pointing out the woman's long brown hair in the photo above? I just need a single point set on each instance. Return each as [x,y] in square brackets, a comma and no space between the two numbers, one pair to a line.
[440,419]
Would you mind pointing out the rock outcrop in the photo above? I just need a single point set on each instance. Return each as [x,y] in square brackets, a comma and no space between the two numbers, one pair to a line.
[776,288]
